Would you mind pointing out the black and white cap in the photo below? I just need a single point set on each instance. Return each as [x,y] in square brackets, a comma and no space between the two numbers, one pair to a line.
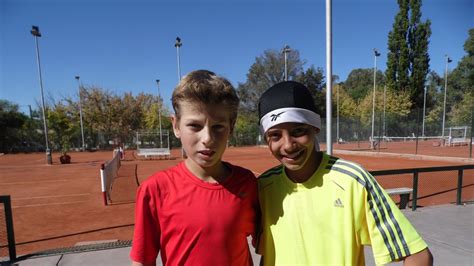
[288,101]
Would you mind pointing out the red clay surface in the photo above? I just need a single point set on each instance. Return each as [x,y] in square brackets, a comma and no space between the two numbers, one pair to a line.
[59,205]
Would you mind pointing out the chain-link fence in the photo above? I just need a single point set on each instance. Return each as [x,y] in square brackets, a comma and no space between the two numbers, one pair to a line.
[415,133]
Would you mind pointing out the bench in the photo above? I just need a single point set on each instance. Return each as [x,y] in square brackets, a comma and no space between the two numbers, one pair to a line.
[154,153]
[404,193]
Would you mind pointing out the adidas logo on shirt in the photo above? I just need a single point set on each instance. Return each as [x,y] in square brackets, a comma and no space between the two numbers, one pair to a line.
[338,203]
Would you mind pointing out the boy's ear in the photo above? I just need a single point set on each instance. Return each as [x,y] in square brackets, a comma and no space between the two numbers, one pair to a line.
[232,126]
[175,122]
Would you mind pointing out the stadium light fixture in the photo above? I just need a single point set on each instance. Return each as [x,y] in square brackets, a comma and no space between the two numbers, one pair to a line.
[36,33]
[159,112]
[372,141]
[448,60]
[286,49]
[80,113]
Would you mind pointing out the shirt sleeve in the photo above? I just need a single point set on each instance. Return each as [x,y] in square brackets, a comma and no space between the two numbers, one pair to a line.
[146,236]
[391,235]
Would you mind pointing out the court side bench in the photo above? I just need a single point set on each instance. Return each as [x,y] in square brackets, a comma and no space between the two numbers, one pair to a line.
[154,153]
[404,193]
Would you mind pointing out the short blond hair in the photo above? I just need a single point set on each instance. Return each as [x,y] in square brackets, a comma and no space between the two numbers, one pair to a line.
[205,87]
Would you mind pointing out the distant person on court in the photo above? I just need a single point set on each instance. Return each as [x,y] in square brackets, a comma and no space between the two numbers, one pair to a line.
[318,209]
[201,211]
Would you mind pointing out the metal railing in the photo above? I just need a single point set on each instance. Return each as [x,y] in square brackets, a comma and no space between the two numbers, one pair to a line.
[416,171]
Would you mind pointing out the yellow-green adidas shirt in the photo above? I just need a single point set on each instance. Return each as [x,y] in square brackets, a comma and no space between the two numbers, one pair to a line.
[329,218]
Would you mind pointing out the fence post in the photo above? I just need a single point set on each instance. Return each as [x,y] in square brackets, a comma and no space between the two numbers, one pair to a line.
[9,226]
[458,194]
[415,190]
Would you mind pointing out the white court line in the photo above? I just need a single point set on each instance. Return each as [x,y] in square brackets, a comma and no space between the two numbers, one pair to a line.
[48,204]
[56,196]
[34,182]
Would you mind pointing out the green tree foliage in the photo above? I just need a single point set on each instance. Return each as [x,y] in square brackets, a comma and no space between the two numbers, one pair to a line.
[461,86]
[396,103]
[11,122]
[347,105]
[267,70]
[313,78]
[461,114]
[408,58]
[360,81]
[61,126]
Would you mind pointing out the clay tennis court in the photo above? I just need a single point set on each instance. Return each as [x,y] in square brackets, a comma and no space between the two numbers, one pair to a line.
[58,205]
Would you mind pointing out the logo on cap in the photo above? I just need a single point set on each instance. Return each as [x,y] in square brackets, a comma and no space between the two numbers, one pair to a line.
[275,116]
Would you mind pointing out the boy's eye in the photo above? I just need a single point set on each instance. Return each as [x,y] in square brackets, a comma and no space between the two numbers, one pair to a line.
[218,127]
[274,136]
[194,126]
[300,131]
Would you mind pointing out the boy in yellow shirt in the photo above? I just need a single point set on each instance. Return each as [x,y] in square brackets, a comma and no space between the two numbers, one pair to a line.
[318,209]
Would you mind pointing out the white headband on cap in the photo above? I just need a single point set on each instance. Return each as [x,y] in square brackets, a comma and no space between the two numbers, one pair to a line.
[290,114]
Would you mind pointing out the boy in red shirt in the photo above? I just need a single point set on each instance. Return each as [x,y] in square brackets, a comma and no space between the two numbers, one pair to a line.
[200,211]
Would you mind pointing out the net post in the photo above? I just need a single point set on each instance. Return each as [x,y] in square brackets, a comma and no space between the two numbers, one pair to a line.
[102,183]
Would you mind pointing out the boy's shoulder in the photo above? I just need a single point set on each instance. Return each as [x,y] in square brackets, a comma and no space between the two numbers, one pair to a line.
[339,163]
[165,174]
[274,171]
[239,170]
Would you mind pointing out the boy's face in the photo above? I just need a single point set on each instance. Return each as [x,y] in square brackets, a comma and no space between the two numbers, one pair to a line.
[293,144]
[204,132]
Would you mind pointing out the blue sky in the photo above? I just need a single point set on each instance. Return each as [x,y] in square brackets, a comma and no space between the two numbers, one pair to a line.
[125,45]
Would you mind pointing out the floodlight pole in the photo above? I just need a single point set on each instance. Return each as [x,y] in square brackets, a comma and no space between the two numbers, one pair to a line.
[372,142]
[286,49]
[80,114]
[36,32]
[329,77]
[337,122]
[159,112]
[384,105]
[448,60]
[178,44]
[424,112]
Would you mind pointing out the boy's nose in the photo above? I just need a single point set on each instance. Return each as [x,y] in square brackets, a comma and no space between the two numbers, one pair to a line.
[206,136]
[288,143]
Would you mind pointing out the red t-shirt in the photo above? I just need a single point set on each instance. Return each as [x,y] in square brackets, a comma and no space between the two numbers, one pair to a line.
[195,222]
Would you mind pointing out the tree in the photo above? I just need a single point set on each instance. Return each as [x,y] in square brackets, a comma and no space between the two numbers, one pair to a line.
[347,105]
[461,114]
[267,70]
[61,123]
[360,81]
[408,58]
[461,79]
[395,103]
[313,79]
[11,122]
[461,86]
